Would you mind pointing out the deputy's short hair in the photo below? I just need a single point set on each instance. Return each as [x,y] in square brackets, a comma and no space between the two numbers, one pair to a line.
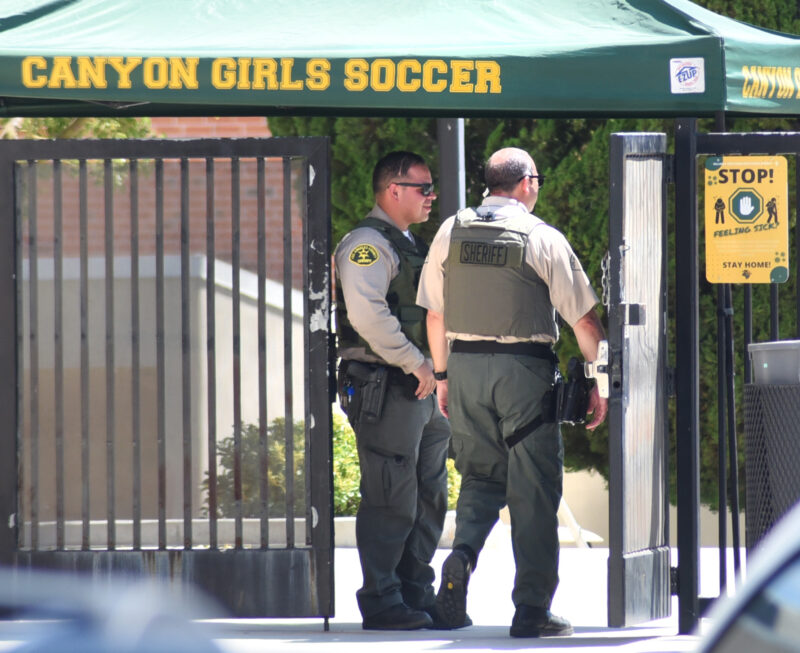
[392,166]
[505,175]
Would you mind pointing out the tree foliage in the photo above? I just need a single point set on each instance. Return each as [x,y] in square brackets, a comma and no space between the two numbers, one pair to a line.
[573,154]
[39,128]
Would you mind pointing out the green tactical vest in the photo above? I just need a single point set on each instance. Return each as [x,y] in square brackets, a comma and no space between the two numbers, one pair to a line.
[489,289]
[401,295]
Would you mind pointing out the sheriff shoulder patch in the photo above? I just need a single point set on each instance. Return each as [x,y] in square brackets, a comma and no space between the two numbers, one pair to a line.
[364,255]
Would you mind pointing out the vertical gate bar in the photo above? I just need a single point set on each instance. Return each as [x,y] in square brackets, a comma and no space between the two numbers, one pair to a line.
[186,354]
[287,348]
[160,359]
[136,427]
[748,330]
[33,331]
[722,371]
[58,336]
[262,352]
[616,515]
[84,301]
[733,449]
[797,243]
[211,357]
[307,367]
[11,515]
[774,313]
[14,458]
[108,177]
[237,363]
[687,379]
[316,321]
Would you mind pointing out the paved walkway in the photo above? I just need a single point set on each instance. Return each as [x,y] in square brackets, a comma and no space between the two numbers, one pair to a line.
[581,598]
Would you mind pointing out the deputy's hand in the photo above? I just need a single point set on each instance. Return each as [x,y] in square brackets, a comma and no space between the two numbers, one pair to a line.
[427,384]
[598,408]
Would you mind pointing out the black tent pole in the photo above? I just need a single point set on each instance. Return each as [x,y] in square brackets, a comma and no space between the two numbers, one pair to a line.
[451,186]
[687,373]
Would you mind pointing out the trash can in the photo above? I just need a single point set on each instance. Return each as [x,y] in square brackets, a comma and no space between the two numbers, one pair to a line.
[772,435]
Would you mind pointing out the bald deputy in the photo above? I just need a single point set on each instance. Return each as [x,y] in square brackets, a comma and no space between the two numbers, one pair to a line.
[493,281]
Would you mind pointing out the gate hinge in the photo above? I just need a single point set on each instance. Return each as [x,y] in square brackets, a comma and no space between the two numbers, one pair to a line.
[669,168]
[670,374]
[634,314]
[673,581]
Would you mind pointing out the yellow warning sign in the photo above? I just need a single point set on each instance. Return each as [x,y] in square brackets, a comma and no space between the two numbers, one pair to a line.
[747,219]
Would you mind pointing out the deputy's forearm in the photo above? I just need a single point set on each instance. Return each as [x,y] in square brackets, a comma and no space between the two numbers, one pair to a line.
[589,332]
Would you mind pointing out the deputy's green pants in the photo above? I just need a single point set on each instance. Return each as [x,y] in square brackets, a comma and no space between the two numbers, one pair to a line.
[491,396]
[403,501]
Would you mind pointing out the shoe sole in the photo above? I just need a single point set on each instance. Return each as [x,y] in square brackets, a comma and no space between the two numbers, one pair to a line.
[564,632]
[438,625]
[451,601]
[414,625]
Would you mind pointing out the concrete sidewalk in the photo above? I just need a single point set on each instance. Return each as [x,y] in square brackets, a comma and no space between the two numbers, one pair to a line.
[581,598]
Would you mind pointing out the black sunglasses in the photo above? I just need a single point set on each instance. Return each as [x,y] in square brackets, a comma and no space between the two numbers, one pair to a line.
[426,188]
[539,177]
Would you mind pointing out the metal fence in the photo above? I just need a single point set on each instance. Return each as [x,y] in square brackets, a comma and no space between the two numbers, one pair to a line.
[169,322]
[689,145]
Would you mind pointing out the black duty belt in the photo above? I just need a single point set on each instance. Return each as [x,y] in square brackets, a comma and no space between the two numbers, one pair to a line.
[536,349]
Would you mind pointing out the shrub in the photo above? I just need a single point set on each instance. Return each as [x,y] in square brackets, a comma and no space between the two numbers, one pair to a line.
[346,471]
[276,471]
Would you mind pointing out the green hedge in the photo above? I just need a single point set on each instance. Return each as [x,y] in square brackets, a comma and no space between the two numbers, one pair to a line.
[346,472]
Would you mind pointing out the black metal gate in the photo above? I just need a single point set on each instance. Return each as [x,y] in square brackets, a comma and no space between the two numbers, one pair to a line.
[689,145]
[635,294]
[165,347]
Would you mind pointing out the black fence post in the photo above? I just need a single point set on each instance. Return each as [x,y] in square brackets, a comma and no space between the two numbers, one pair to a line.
[687,371]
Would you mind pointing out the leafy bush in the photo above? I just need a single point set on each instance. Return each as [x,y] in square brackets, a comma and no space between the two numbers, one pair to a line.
[251,459]
[346,471]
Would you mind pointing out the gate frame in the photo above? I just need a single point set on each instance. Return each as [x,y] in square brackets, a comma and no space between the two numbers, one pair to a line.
[638,581]
[315,563]
[689,144]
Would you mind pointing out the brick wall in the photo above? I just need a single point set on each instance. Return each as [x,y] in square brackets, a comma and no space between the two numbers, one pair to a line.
[248,201]
[202,127]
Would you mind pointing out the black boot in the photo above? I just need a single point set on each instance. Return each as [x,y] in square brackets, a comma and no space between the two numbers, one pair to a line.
[451,601]
[398,617]
[531,621]
[441,624]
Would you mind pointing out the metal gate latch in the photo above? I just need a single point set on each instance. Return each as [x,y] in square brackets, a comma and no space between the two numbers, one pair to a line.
[598,369]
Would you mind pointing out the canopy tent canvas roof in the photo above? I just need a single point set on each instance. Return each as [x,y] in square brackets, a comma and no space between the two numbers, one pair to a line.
[371,57]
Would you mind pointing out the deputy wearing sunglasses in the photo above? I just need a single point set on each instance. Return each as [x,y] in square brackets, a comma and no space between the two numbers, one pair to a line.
[493,281]
[386,386]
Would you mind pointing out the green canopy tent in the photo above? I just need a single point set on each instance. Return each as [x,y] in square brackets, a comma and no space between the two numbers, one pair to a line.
[351,57]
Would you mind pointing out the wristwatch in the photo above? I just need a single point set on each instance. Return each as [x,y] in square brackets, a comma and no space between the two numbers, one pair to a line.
[440,376]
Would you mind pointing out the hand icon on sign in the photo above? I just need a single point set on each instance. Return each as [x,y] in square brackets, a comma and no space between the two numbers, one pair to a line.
[746,205]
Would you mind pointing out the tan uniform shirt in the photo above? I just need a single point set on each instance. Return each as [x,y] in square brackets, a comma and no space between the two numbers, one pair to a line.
[547,252]
[365,283]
